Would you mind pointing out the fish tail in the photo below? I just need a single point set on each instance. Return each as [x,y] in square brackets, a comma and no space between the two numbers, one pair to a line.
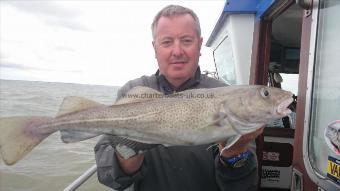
[19,135]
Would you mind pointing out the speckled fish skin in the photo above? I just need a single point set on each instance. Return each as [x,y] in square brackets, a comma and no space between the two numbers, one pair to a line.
[190,117]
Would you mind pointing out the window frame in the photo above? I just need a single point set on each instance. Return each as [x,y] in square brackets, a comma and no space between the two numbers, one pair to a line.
[315,176]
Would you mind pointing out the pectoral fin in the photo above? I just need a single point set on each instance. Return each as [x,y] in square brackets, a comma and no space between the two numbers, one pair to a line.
[217,119]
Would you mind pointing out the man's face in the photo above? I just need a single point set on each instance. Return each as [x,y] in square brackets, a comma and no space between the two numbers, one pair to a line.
[177,47]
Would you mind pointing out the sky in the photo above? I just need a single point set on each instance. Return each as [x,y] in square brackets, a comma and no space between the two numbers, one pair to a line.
[88,41]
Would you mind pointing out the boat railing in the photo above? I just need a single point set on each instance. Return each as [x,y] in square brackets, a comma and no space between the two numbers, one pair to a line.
[81,179]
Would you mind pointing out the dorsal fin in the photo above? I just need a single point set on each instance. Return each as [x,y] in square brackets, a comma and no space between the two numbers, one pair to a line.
[138,94]
[73,103]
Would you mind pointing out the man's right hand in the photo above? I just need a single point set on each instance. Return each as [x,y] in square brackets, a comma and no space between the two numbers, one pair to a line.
[130,153]
[132,164]
[128,148]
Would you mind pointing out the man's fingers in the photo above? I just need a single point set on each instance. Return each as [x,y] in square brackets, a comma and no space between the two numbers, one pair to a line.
[251,136]
[241,145]
[247,138]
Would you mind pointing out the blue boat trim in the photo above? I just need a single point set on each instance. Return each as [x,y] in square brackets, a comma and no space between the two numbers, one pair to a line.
[257,7]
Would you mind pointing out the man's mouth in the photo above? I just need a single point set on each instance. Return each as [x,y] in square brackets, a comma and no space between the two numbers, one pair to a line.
[178,62]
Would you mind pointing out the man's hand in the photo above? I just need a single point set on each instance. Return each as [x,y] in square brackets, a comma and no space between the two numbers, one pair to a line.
[128,152]
[240,146]
[131,165]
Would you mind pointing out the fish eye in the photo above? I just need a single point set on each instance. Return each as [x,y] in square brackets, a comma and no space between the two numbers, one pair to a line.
[265,93]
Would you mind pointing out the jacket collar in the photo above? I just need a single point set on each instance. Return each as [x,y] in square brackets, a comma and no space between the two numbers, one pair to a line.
[165,86]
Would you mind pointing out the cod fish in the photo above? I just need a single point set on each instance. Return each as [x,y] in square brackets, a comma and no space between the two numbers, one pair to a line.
[191,117]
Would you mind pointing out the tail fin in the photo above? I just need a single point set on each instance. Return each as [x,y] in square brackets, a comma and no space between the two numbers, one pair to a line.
[18,136]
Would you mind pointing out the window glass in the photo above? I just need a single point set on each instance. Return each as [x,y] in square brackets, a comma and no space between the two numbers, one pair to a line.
[326,86]
[290,82]
[224,61]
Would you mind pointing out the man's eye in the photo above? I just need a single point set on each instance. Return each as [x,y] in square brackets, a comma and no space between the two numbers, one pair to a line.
[187,41]
[166,43]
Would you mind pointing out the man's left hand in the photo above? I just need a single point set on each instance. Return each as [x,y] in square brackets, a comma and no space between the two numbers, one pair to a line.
[241,146]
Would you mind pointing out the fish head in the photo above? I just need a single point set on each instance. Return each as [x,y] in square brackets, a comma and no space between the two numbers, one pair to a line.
[250,107]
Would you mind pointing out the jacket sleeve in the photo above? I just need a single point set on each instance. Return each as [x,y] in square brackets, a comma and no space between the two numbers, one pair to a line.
[109,171]
[241,179]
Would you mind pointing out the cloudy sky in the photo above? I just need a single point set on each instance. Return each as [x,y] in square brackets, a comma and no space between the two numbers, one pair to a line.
[90,42]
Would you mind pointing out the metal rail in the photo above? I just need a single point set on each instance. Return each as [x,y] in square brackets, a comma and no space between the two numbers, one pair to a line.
[81,179]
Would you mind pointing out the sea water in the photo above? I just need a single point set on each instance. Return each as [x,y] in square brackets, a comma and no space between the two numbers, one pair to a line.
[52,165]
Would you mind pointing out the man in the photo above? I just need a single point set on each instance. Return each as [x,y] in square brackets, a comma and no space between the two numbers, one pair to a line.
[177,42]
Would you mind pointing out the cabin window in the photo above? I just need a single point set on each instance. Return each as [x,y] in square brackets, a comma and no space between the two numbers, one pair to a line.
[325,100]
[290,82]
[224,61]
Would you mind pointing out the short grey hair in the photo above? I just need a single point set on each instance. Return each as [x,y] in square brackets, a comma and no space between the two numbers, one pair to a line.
[175,10]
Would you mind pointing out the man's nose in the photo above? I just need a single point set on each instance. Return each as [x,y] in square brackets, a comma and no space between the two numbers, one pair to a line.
[177,49]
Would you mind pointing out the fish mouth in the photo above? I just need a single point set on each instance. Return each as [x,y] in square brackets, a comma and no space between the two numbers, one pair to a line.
[283,108]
